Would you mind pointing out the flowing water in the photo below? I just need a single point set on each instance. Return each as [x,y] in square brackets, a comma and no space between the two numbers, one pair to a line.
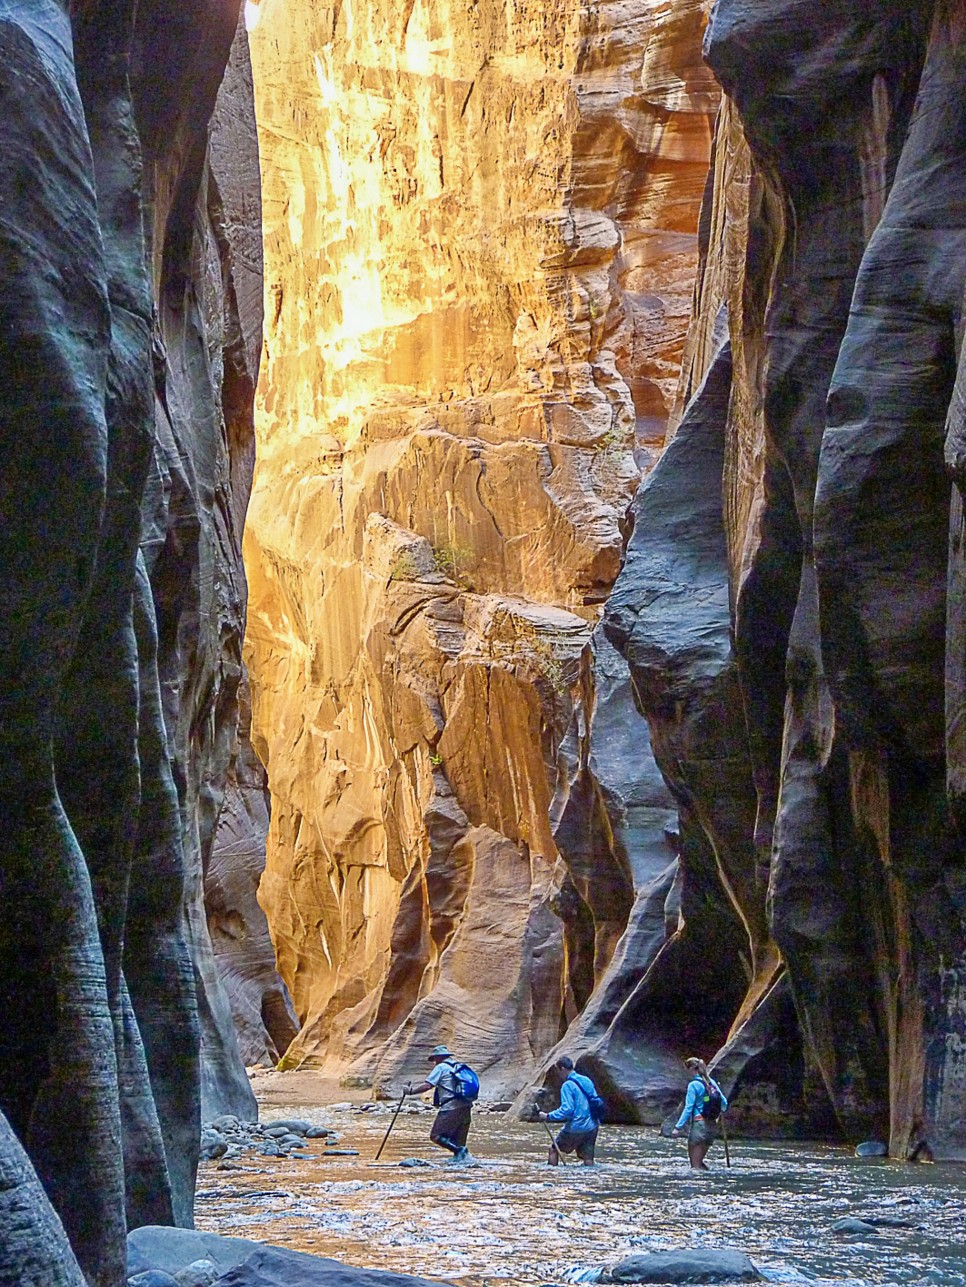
[511,1219]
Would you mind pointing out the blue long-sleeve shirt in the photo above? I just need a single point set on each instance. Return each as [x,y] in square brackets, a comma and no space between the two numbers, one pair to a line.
[574,1109]
[695,1100]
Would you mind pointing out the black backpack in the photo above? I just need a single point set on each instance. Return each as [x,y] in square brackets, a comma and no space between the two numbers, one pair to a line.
[711,1109]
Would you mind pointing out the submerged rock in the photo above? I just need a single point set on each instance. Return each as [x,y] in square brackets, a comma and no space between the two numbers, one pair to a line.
[871,1148]
[685,1265]
[889,1222]
[851,1226]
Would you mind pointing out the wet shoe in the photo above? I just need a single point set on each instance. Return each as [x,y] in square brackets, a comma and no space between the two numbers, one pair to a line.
[463,1155]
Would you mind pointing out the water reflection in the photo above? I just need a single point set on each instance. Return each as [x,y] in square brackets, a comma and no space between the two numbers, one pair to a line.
[513,1220]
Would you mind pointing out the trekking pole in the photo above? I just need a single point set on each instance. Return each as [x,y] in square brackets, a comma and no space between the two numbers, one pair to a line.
[560,1157]
[391,1125]
[724,1136]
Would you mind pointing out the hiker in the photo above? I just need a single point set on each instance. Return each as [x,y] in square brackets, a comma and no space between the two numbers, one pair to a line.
[453,1095]
[703,1105]
[578,1100]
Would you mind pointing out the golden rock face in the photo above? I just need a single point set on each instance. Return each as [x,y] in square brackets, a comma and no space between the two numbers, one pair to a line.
[480,248]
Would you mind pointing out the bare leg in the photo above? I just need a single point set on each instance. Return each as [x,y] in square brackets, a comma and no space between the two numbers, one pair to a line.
[696,1155]
[553,1157]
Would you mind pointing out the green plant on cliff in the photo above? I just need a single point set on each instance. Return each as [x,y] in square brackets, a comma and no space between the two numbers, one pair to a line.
[614,441]
[403,568]
[453,561]
[548,664]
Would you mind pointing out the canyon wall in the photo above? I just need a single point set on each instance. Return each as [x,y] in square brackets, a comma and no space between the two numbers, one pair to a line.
[129,343]
[464,800]
[480,235]
[791,599]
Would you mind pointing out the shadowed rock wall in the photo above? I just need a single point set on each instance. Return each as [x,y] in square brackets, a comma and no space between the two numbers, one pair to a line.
[130,305]
[810,727]
[480,238]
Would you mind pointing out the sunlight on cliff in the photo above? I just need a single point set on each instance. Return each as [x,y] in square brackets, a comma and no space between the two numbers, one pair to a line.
[447,421]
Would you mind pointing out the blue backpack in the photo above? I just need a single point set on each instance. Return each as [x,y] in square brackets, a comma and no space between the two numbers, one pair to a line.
[594,1102]
[468,1082]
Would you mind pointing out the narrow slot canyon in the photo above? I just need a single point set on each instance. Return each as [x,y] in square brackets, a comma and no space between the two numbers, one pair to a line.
[481,567]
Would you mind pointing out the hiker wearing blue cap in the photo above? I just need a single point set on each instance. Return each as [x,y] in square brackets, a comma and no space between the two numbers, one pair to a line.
[455,1086]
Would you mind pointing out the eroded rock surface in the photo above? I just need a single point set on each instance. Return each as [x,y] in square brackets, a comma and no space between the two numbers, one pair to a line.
[481,239]
[264,1018]
[128,350]
[834,262]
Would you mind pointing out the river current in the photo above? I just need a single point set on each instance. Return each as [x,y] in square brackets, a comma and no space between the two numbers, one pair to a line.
[513,1220]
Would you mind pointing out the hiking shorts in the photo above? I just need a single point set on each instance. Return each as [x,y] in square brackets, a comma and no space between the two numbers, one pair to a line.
[453,1122]
[580,1142]
[702,1132]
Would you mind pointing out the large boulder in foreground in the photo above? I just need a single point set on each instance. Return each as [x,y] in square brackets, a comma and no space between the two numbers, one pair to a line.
[276,1267]
[170,1249]
[242,1263]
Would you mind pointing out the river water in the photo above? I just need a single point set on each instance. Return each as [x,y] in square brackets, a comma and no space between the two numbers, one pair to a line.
[512,1220]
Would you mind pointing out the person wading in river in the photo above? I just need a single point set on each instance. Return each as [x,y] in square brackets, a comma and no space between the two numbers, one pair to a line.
[703,1105]
[578,1097]
[452,1123]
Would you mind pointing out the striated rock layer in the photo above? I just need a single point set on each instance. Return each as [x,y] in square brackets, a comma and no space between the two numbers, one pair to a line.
[798,651]
[480,232]
[131,305]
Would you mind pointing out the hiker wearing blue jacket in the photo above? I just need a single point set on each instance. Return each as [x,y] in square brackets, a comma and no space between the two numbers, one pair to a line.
[703,1106]
[579,1134]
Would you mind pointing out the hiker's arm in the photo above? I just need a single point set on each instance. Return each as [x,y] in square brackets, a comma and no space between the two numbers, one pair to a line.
[724,1098]
[689,1103]
[566,1110]
[421,1089]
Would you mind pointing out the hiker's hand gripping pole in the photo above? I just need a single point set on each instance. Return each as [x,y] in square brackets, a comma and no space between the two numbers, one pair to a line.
[553,1143]
[393,1122]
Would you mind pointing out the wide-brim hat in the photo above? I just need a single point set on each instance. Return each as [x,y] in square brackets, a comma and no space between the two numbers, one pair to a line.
[440,1052]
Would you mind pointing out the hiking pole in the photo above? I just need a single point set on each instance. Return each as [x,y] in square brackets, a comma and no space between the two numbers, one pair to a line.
[724,1136]
[560,1157]
[391,1125]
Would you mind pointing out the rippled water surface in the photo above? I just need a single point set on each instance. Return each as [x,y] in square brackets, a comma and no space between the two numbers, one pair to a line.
[511,1219]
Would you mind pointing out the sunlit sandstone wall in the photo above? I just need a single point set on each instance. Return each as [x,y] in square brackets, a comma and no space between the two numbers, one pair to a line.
[480,247]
